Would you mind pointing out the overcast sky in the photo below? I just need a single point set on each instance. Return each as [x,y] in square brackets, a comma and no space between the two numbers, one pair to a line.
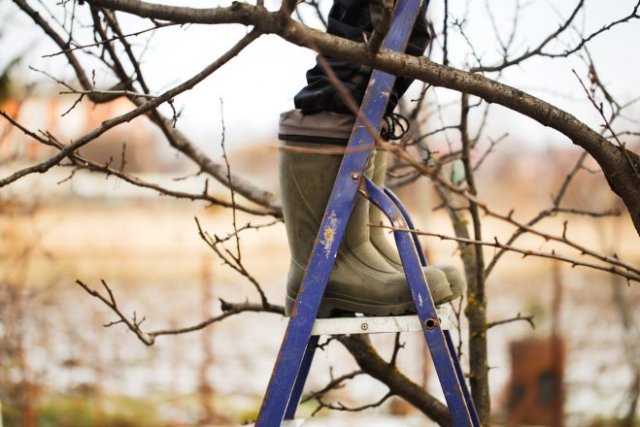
[261,82]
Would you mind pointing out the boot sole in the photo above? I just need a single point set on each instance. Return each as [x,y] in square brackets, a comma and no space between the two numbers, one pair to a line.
[336,307]
[331,306]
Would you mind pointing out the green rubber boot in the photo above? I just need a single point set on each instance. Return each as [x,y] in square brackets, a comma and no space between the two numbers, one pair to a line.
[362,281]
[389,251]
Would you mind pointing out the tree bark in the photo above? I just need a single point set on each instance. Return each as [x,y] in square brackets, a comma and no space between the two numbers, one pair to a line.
[371,363]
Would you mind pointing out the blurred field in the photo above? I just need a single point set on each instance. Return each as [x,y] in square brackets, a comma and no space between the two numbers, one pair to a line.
[58,359]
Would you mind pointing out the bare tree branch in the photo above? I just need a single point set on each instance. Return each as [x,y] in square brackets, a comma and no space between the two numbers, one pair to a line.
[341,407]
[517,318]
[334,384]
[232,260]
[611,159]
[109,300]
[243,187]
[81,162]
[148,338]
[635,167]
[535,51]
[618,268]
[399,385]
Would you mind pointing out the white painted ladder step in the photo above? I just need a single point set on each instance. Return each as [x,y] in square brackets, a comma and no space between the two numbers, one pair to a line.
[378,325]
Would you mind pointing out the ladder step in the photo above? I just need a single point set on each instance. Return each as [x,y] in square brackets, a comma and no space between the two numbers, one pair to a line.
[377,325]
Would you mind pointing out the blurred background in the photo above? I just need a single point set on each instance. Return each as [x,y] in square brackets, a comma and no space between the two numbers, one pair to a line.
[572,358]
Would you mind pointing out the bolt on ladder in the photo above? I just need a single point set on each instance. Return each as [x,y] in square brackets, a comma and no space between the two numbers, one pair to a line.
[301,337]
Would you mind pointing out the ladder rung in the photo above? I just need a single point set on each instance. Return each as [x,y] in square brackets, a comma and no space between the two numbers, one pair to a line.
[377,325]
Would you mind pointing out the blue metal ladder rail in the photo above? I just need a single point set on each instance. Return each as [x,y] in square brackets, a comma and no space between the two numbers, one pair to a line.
[298,346]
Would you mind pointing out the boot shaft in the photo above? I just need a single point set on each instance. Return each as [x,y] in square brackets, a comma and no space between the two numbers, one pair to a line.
[306,172]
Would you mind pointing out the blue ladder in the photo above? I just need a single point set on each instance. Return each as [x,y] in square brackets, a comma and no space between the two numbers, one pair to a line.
[299,344]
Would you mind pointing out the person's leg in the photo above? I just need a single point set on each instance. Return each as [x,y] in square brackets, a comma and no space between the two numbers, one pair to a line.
[354,20]
[362,280]
[382,244]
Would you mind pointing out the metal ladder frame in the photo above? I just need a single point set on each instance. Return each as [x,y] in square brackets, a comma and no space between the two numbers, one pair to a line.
[298,346]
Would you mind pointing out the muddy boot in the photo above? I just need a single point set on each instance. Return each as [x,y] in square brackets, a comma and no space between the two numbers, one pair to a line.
[380,241]
[362,280]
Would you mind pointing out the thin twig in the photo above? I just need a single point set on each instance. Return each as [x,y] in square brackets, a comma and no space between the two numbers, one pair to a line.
[334,384]
[81,162]
[148,338]
[624,270]
[231,260]
[142,109]
[517,318]
[538,50]
[110,301]
[341,407]
[108,40]
[234,215]
[600,110]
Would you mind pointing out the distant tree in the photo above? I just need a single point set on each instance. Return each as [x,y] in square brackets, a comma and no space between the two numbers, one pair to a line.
[479,83]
